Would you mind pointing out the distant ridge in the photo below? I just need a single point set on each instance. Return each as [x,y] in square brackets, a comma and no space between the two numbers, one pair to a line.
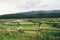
[33,14]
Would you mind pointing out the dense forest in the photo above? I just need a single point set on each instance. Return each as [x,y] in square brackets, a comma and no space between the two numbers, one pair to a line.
[33,14]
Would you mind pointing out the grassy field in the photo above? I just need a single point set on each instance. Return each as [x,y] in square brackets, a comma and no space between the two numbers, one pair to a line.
[25,35]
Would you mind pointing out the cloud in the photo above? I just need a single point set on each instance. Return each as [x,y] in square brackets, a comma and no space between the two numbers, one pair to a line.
[48,5]
[14,6]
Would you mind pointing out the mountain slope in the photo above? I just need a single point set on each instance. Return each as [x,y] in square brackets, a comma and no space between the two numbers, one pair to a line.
[34,14]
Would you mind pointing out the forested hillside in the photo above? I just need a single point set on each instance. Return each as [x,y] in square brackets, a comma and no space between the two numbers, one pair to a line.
[33,14]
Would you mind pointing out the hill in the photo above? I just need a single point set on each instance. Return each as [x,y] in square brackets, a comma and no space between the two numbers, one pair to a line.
[33,14]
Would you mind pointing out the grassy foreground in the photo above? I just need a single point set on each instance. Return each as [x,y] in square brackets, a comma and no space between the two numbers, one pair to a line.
[27,35]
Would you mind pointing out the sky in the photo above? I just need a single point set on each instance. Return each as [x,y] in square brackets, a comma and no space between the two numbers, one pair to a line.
[15,6]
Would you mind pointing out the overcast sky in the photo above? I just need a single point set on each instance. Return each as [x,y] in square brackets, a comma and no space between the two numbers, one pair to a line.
[14,6]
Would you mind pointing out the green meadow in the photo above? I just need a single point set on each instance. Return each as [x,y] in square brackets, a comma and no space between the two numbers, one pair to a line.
[7,25]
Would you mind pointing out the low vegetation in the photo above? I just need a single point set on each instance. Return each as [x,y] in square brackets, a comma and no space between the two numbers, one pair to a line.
[11,32]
